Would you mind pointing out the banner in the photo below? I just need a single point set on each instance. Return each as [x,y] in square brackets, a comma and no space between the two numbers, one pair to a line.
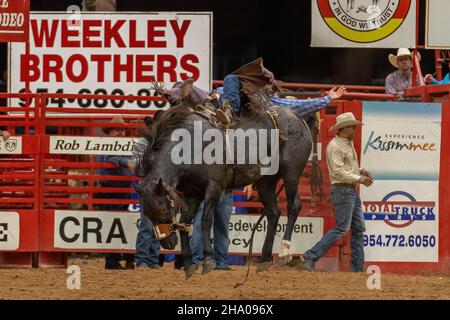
[11,146]
[14,19]
[9,231]
[92,145]
[437,24]
[118,231]
[401,146]
[363,23]
[111,54]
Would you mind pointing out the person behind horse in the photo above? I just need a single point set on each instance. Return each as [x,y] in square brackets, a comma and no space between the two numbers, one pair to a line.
[112,260]
[345,175]
[220,231]
[429,79]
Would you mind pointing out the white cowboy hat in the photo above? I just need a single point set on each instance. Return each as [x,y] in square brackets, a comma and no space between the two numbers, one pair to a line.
[345,120]
[400,53]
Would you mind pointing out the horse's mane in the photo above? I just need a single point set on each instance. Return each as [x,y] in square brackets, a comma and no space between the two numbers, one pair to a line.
[156,134]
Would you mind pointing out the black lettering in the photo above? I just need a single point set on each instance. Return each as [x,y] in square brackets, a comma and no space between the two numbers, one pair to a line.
[120,234]
[95,230]
[62,226]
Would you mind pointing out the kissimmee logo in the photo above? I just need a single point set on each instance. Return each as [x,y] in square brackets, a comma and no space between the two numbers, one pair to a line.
[364,21]
[399,142]
[399,214]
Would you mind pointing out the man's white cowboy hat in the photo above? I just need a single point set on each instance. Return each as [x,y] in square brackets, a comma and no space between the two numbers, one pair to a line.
[400,53]
[345,120]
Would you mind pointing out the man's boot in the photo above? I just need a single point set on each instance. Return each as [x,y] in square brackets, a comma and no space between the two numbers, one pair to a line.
[225,113]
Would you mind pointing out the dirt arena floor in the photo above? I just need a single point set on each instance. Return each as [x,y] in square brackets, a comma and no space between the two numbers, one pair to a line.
[167,283]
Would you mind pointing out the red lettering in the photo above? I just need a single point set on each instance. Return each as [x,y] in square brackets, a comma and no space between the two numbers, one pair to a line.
[141,68]
[134,43]
[180,33]
[29,68]
[43,33]
[88,33]
[152,33]
[112,32]
[100,59]
[66,33]
[166,69]
[127,68]
[187,63]
[70,66]
[52,63]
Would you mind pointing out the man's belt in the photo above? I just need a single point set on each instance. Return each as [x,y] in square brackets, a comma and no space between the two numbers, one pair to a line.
[344,185]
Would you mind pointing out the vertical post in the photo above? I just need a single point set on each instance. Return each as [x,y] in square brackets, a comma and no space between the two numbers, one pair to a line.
[438,65]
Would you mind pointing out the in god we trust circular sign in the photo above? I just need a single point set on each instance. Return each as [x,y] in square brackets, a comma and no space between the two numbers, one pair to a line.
[364,21]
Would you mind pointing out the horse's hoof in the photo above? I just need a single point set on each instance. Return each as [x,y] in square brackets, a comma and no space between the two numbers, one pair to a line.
[263,266]
[190,270]
[208,266]
[284,260]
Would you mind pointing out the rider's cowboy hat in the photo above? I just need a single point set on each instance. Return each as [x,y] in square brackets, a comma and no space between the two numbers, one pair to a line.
[345,120]
[400,53]
[116,120]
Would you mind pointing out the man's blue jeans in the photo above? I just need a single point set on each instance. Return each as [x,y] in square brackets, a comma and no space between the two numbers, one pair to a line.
[232,92]
[147,246]
[348,210]
[220,229]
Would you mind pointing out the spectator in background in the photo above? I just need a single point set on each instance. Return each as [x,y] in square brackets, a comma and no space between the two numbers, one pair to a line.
[429,79]
[220,230]
[147,246]
[112,260]
[399,80]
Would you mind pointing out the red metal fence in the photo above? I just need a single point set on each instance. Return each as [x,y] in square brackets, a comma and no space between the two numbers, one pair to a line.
[36,182]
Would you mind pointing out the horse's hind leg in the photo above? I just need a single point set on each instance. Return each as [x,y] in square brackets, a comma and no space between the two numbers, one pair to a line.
[291,178]
[212,197]
[189,267]
[266,190]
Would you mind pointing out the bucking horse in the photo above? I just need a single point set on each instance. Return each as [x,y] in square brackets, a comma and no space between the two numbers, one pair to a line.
[170,188]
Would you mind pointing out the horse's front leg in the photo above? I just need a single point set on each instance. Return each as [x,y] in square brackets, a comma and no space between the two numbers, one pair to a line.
[187,217]
[294,205]
[212,197]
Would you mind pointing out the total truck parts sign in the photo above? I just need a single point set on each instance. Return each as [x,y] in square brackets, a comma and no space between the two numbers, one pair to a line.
[9,231]
[112,53]
[401,146]
[118,230]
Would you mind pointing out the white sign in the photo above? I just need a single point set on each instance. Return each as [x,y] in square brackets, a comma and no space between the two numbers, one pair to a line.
[11,146]
[118,231]
[112,53]
[95,230]
[307,231]
[92,145]
[401,146]
[9,231]
[363,23]
[437,24]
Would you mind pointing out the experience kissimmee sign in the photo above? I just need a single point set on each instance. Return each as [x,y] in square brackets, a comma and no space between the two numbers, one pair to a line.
[112,53]
[14,17]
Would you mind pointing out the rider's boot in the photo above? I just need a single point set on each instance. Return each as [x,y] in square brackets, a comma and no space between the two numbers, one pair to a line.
[225,113]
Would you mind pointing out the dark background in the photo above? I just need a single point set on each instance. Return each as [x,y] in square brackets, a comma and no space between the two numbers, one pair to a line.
[279,31]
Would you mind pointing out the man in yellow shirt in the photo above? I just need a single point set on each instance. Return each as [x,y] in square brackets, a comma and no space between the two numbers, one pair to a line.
[345,175]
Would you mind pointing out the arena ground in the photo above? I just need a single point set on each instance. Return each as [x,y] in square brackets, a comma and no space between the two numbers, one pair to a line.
[168,283]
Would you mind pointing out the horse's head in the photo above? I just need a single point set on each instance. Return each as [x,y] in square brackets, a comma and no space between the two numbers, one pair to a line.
[161,204]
